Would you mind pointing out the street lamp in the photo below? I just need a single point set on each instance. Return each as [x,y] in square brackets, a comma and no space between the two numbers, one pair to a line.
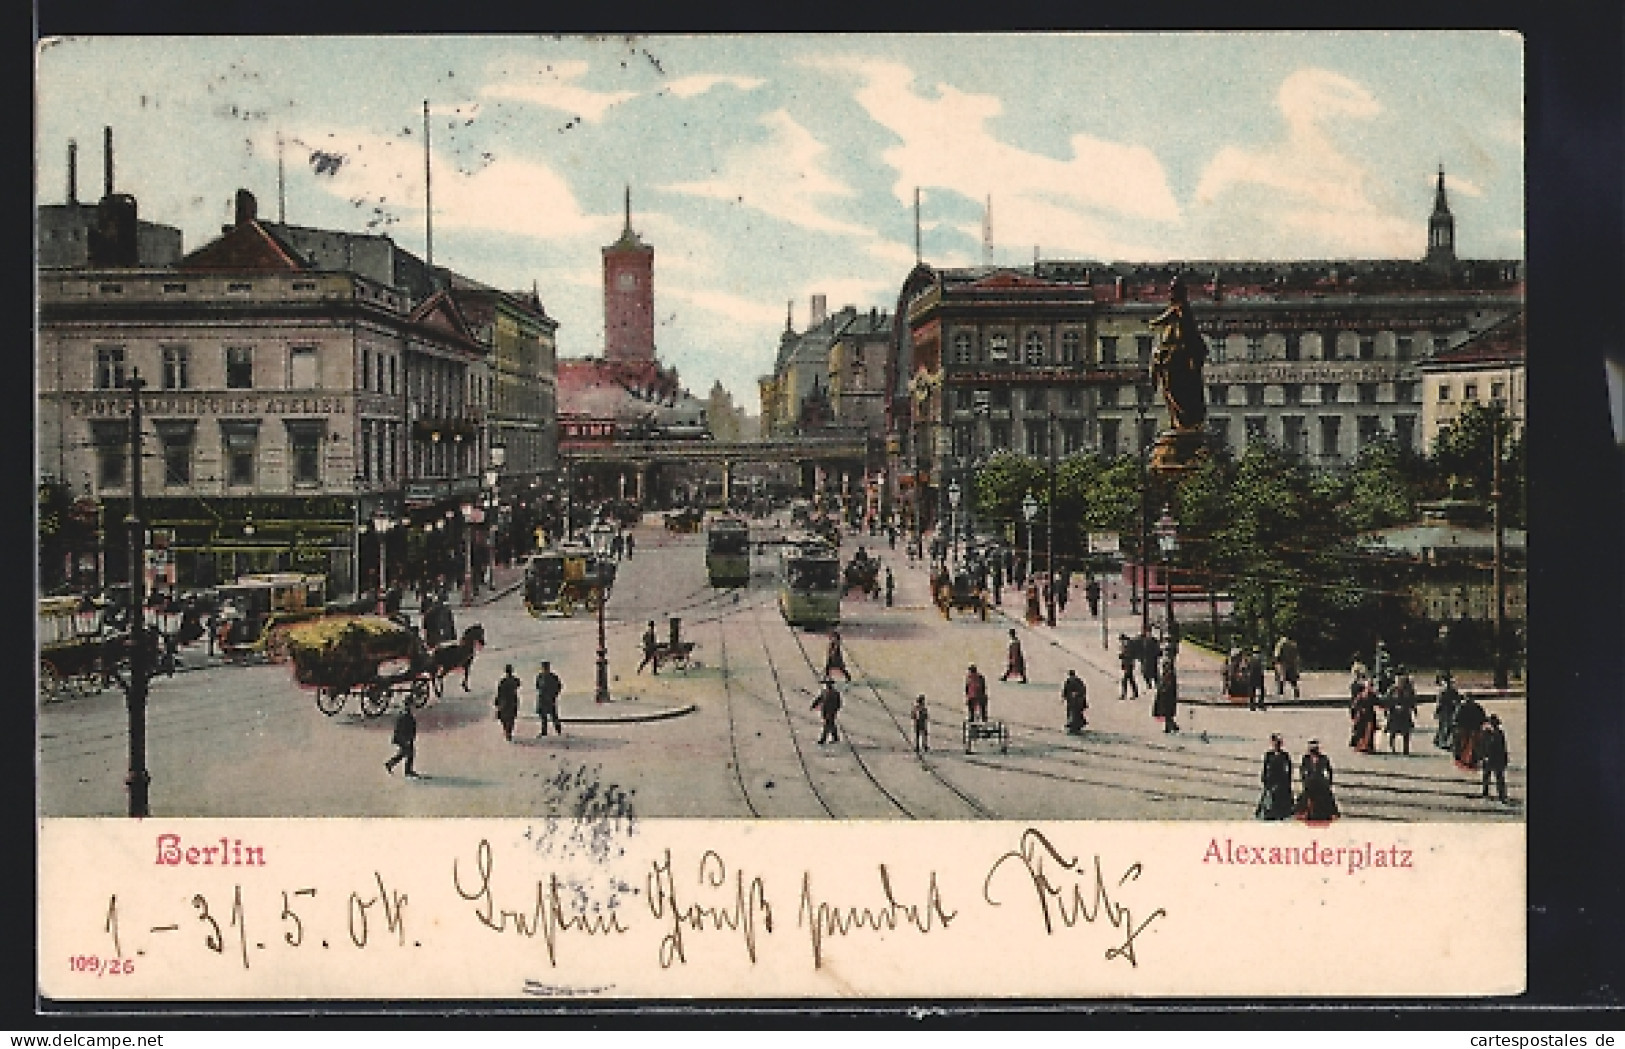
[1029,510]
[954,493]
[600,539]
[1049,527]
[381,524]
[1168,541]
[469,512]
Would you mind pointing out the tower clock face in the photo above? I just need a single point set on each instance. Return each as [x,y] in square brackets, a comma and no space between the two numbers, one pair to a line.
[627,282]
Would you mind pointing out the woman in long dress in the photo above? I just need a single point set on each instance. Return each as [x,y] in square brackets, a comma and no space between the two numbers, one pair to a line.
[1363,713]
[1316,804]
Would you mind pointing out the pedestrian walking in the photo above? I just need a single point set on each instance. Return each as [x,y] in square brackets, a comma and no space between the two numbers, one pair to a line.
[922,725]
[405,739]
[1165,705]
[1363,719]
[1275,803]
[507,702]
[1064,586]
[1049,600]
[1255,680]
[834,658]
[890,586]
[1015,661]
[975,694]
[1035,611]
[1150,653]
[1286,666]
[630,543]
[651,646]
[891,537]
[548,687]
[1125,659]
[1382,668]
[828,704]
[1316,804]
[1469,719]
[998,579]
[1075,694]
[1091,593]
[1492,755]
[1358,676]
[1444,711]
[1401,710]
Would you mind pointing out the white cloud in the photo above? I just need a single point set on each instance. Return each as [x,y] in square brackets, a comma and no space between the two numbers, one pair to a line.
[379,174]
[782,176]
[1303,186]
[737,308]
[946,143]
[891,252]
[700,83]
[554,87]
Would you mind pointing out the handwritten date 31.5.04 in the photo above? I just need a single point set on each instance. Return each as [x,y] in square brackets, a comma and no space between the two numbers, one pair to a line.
[241,926]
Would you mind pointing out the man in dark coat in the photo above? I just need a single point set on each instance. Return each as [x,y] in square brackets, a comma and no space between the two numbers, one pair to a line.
[507,702]
[1091,593]
[1491,750]
[1444,711]
[1076,696]
[1015,661]
[828,704]
[1125,658]
[1276,801]
[1401,710]
[650,646]
[1150,657]
[975,694]
[405,739]
[1166,703]
[1255,680]
[834,658]
[548,687]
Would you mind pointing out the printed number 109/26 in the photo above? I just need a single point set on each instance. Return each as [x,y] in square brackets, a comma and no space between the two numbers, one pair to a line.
[90,963]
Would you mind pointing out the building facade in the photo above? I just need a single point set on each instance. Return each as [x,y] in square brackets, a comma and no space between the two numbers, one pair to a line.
[1485,370]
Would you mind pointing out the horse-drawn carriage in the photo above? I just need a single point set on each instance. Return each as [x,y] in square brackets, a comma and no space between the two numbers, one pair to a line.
[961,590]
[862,573]
[559,579]
[257,610]
[374,660]
[74,653]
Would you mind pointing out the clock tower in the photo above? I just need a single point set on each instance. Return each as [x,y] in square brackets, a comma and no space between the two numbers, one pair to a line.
[629,330]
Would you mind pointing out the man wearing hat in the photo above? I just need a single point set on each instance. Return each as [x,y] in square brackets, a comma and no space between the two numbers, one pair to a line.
[975,694]
[1076,696]
[1125,659]
[828,704]
[1276,801]
[1491,750]
[548,687]
[1316,804]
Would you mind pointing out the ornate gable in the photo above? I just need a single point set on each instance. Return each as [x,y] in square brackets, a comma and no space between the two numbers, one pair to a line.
[439,313]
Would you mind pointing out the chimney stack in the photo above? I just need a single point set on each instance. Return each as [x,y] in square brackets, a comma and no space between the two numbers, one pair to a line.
[247,208]
[820,311]
[107,161]
[73,172]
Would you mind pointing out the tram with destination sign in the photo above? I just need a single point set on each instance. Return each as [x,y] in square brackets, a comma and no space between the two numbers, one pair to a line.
[727,552]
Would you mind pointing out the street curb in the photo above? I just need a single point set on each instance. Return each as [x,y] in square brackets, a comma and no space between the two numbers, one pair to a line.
[662,714]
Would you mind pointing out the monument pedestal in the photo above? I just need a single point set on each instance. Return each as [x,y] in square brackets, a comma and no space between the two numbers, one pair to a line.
[1177,451]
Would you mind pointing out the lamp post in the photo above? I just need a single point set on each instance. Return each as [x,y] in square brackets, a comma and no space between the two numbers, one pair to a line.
[355,535]
[470,512]
[954,494]
[1168,541]
[381,524]
[139,780]
[1049,526]
[600,537]
[1143,398]
[1029,511]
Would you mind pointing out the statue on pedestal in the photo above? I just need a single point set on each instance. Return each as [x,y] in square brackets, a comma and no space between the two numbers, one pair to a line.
[1176,369]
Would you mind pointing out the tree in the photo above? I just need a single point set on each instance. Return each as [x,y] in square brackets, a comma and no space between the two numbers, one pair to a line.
[1384,486]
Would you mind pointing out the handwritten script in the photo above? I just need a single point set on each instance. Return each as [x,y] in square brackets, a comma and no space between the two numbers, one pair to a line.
[1064,897]
[546,913]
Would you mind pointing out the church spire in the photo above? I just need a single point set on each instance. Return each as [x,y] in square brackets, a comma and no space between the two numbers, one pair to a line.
[1441,228]
[626,231]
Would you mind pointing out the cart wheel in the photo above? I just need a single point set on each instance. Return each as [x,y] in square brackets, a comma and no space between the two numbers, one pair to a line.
[50,682]
[330,701]
[374,701]
[419,696]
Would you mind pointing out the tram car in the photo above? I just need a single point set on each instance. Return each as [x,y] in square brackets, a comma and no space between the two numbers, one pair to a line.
[810,584]
[727,552]
[561,578]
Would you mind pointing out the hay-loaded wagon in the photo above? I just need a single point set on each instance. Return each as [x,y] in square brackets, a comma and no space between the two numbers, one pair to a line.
[369,657]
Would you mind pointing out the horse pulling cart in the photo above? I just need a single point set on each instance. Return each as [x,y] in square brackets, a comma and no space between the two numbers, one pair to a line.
[372,659]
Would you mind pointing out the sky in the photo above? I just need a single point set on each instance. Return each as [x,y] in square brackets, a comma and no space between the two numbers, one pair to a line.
[766,169]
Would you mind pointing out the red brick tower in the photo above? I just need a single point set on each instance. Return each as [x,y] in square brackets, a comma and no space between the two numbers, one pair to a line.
[629,296]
